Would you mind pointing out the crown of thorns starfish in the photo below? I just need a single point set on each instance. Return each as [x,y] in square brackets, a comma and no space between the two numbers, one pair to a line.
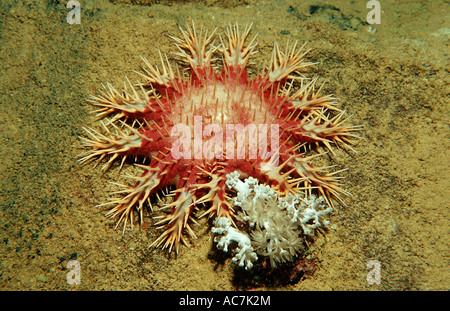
[216,87]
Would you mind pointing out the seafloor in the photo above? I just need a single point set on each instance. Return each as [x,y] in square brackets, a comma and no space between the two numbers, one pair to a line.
[393,78]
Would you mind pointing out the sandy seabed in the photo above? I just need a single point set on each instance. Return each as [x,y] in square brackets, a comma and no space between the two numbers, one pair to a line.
[393,78]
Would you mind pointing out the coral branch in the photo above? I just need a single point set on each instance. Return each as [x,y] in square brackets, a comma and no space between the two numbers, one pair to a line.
[245,256]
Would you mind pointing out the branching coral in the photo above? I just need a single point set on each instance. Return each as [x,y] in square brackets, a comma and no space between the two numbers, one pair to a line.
[245,255]
[277,223]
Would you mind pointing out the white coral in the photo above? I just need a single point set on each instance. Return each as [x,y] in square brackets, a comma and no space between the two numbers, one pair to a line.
[309,213]
[276,222]
[245,256]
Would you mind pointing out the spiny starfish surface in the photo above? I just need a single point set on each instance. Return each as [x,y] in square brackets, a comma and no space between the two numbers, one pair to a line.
[197,125]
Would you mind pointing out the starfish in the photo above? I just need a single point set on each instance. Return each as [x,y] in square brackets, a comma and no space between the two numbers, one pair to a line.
[199,122]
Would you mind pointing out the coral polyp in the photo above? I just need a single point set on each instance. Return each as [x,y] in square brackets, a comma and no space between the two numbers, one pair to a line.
[193,124]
